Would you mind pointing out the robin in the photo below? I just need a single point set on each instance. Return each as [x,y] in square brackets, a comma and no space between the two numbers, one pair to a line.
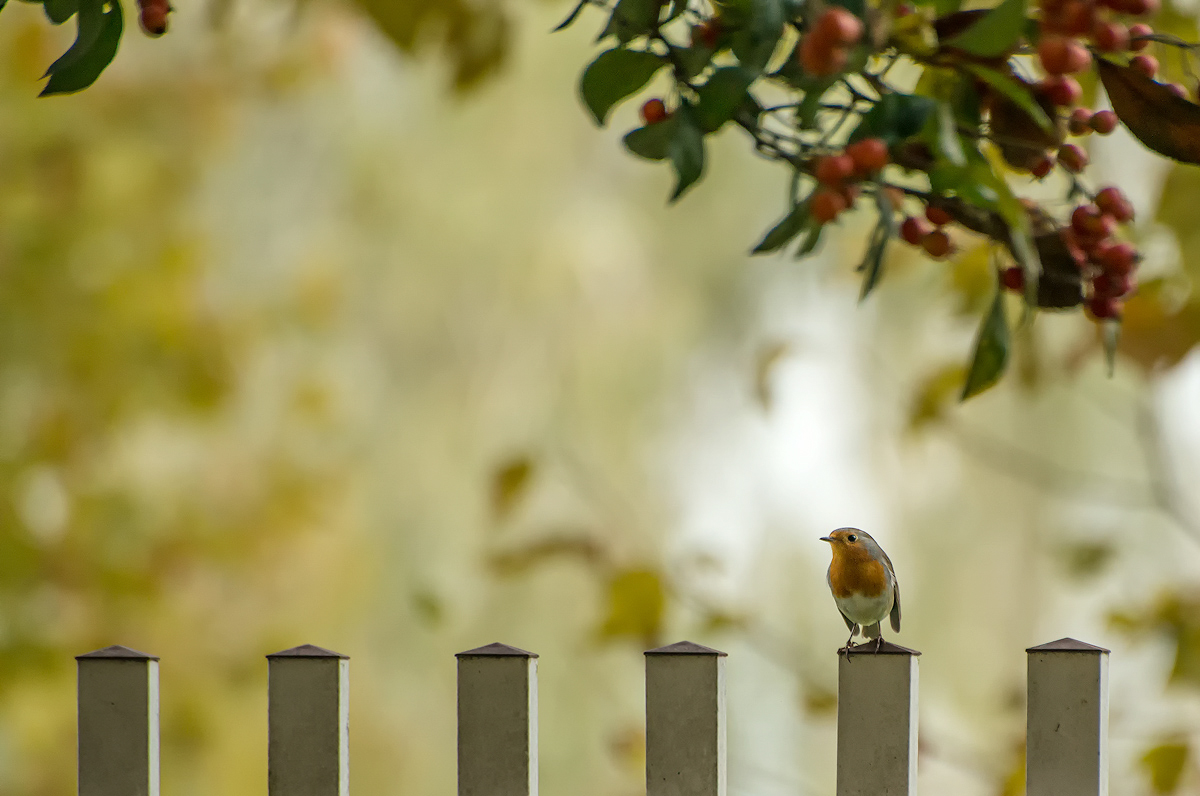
[863,583]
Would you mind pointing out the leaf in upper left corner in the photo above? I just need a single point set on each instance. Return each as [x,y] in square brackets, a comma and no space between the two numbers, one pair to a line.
[991,350]
[98,36]
[995,34]
[1157,116]
[510,482]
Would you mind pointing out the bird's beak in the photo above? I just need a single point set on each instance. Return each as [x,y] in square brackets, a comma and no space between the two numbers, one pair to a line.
[827,539]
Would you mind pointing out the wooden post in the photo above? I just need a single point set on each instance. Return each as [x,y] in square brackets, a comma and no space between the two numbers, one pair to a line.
[118,723]
[1066,738]
[497,722]
[877,721]
[308,722]
[685,721]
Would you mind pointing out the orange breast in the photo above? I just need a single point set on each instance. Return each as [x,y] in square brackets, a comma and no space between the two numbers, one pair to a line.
[853,571]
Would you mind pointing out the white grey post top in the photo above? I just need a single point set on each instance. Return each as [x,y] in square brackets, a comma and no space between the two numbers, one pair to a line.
[118,723]
[308,718]
[685,721]
[877,721]
[497,722]
[1066,735]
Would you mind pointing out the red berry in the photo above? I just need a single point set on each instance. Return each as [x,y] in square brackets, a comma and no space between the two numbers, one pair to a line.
[914,229]
[832,170]
[1112,285]
[1061,90]
[826,205]
[1072,158]
[1104,122]
[1042,167]
[821,57]
[1140,8]
[850,193]
[1112,37]
[869,155]
[1063,56]
[153,16]
[707,33]
[1146,64]
[654,111]
[1091,226]
[936,244]
[1119,258]
[1071,240]
[839,26]
[1103,308]
[1109,199]
[1013,278]
[938,216]
[1076,18]
[1080,122]
[1139,31]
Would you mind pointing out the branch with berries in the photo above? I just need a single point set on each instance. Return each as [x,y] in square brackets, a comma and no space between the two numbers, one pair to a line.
[99,26]
[925,112]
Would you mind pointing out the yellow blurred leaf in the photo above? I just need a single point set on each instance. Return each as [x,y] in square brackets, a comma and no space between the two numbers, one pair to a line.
[973,280]
[768,357]
[628,746]
[936,393]
[1014,782]
[820,701]
[1154,335]
[515,562]
[510,482]
[1164,764]
[635,606]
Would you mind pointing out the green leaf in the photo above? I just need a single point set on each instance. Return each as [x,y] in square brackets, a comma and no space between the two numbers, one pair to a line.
[632,18]
[1015,92]
[686,151]
[812,237]
[694,60]
[653,140]
[783,232]
[570,17]
[872,264]
[1165,764]
[754,43]
[946,140]
[994,35]
[991,350]
[895,117]
[721,96]
[59,11]
[99,35]
[615,75]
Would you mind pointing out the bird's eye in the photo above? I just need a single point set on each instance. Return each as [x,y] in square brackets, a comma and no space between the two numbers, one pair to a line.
[851,538]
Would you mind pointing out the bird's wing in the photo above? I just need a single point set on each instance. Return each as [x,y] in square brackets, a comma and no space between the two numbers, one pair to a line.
[895,591]
[850,623]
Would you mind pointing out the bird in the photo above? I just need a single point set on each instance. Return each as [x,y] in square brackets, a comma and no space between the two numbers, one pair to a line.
[863,583]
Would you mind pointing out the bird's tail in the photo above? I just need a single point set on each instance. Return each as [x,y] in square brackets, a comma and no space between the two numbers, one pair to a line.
[871,631]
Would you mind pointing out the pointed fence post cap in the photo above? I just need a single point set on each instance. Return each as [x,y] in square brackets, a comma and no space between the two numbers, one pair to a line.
[886,648]
[686,648]
[496,649]
[1068,645]
[117,651]
[308,651]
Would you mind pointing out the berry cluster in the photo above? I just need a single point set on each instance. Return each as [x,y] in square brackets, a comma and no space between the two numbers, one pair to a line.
[824,50]
[1106,264]
[837,175]
[927,232]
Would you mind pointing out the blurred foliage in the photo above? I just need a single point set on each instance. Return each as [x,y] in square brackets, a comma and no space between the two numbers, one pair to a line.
[1176,615]
[1165,765]
[509,484]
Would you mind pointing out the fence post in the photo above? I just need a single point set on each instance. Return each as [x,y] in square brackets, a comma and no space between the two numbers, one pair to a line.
[497,722]
[118,722]
[877,721]
[1066,736]
[308,722]
[685,721]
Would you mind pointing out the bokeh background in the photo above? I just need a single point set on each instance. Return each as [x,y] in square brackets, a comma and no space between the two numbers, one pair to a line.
[340,323]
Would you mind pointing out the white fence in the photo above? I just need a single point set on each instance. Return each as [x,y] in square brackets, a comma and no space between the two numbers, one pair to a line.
[308,724]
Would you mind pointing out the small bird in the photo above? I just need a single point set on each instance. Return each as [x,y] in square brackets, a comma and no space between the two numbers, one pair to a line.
[863,583]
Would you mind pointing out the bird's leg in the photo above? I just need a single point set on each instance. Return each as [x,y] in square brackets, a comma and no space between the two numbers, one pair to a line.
[846,648]
[878,643]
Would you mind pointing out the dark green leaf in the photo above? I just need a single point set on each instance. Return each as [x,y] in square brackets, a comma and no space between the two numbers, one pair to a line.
[895,117]
[721,96]
[693,59]
[1017,93]
[99,35]
[686,150]
[59,11]
[991,350]
[812,237]
[994,35]
[754,43]
[946,141]
[783,232]
[652,141]
[872,264]
[632,18]
[570,17]
[613,76]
